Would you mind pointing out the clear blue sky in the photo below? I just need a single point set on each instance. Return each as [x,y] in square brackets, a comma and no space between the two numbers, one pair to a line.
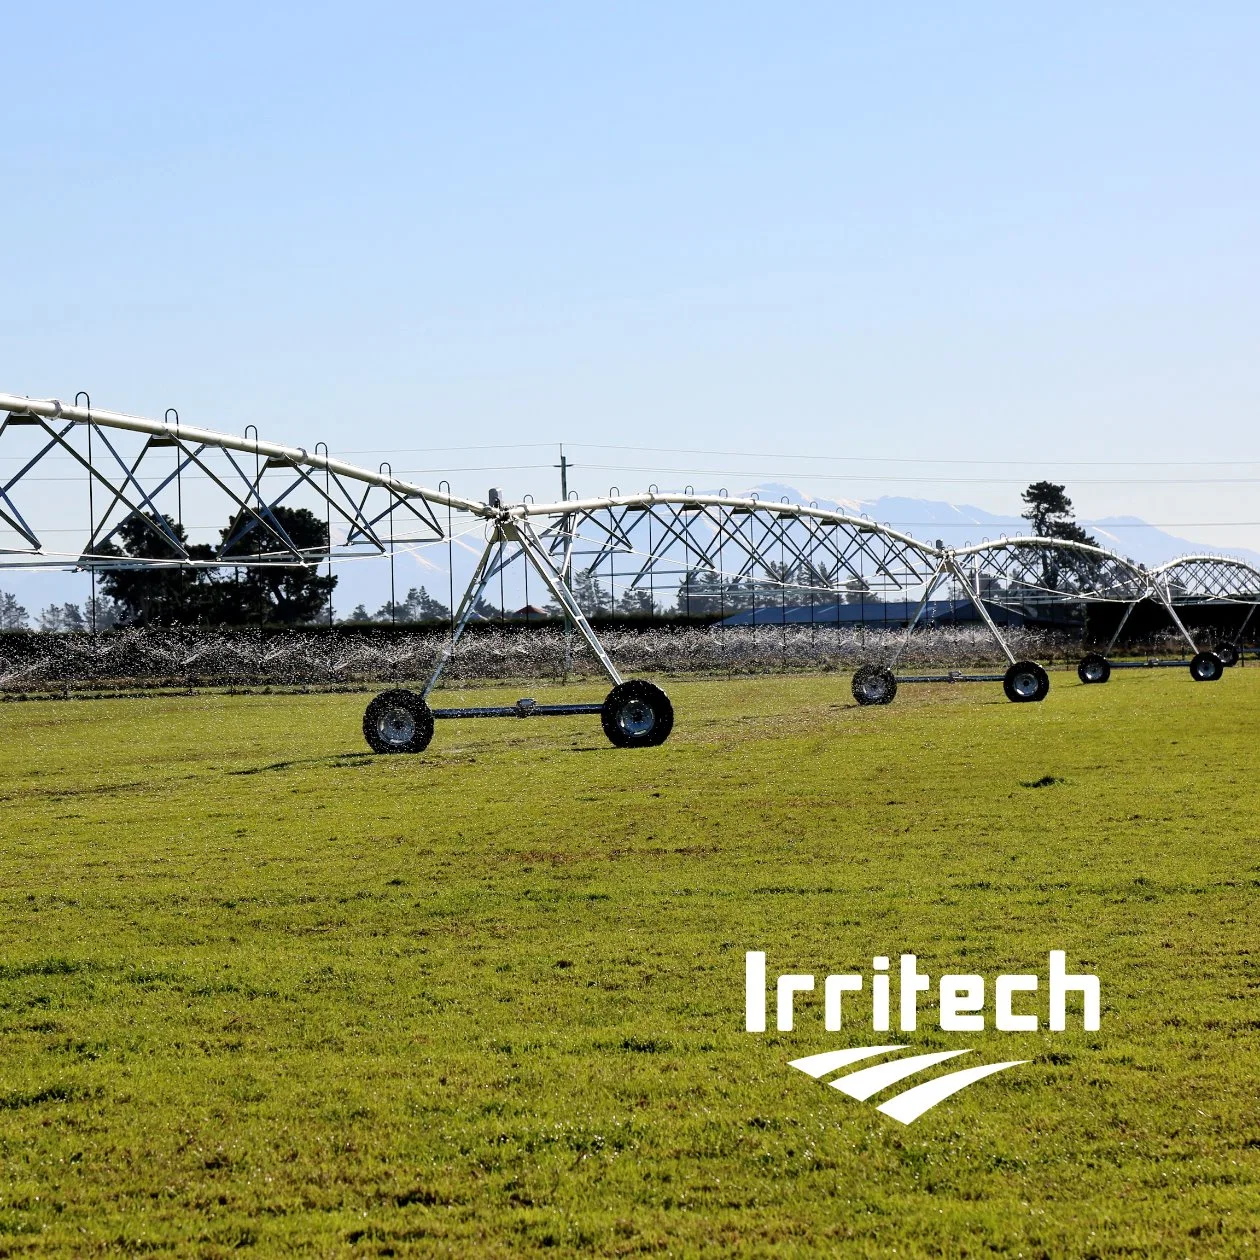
[965,231]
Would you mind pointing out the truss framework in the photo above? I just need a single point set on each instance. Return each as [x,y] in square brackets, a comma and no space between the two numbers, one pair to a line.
[724,552]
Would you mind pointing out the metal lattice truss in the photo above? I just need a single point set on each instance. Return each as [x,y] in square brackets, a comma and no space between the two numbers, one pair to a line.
[792,551]
[1196,580]
[127,467]
[1204,579]
[710,552]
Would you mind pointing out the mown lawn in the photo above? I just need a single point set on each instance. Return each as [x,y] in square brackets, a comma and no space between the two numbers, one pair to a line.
[262,991]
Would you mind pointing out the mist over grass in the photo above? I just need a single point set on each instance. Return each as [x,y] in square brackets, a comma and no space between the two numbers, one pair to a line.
[190,656]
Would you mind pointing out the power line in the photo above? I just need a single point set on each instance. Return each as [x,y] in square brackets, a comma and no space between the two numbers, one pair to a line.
[936,480]
[1039,461]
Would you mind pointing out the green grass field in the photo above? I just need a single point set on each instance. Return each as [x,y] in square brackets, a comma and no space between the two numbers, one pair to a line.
[260,990]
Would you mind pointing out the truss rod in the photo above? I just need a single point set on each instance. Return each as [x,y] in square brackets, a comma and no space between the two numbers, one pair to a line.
[52,408]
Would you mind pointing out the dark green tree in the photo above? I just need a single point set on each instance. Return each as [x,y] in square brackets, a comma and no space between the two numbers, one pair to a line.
[784,586]
[12,615]
[276,587]
[174,594]
[702,594]
[485,610]
[273,588]
[419,606]
[591,595]
[636,601]
[859,591]
[1050,512]
[739,594]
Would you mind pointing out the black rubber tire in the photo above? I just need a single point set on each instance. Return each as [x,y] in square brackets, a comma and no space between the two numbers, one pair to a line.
[1228,654]
[1094,668]
[398,722]
[637,714]
[1026,683]
[874,684]
[1206,667]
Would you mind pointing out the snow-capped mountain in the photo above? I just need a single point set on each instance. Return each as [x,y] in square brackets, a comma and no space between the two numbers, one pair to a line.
[958,524]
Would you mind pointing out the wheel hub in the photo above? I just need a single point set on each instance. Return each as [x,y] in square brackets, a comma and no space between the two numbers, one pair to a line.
[636,718]
[397,726]
[1025,684]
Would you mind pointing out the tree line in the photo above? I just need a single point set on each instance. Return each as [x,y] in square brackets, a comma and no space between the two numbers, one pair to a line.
[280,592]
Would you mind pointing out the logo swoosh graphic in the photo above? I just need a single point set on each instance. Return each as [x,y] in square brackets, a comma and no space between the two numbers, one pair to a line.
[817,1065]
[911,1103]
[861,1085]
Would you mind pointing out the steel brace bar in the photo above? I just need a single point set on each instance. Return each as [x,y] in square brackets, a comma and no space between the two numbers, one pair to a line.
[521,533]
[467,605]
[978,603]
[1242,630]
[1166,597]
[536,554]
[1124,621]
[933,583]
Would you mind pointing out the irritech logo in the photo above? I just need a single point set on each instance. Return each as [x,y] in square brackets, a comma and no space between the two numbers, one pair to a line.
[961,1008]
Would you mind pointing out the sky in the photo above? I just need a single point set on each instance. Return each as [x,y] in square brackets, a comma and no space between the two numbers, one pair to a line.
[926,250]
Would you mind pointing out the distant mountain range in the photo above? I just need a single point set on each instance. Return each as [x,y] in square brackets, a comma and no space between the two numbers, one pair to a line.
[958,524]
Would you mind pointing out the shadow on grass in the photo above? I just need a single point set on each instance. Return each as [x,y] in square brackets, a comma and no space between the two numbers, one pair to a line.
[343,761]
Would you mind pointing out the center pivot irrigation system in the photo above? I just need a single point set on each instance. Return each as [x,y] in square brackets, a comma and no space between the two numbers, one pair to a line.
[723,552]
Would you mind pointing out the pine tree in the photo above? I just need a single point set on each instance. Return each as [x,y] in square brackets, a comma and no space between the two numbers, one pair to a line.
[102,614]
[1050,513]
[591,596]
[421,606]
[637,601]
[858,591]
[702,594]
[12,615]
